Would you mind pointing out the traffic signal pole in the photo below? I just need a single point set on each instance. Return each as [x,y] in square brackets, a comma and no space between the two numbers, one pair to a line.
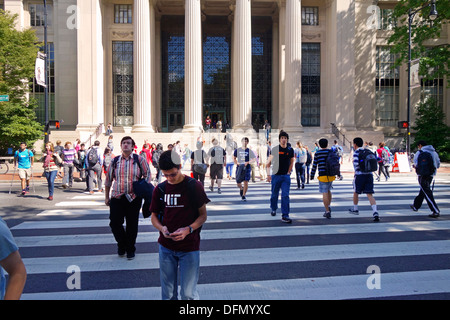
[47,130]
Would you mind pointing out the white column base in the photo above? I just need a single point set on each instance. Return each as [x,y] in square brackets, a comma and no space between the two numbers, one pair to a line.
[142,128]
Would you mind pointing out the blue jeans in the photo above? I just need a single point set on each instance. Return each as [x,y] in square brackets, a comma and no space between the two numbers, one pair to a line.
[229,168]
[189,264]
[51,181]
[283,182]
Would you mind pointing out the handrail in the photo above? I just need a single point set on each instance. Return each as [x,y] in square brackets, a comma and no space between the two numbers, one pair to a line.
[335,130]
[96,133]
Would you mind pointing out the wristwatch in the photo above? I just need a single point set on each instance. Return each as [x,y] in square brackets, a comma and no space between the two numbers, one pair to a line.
[190,229]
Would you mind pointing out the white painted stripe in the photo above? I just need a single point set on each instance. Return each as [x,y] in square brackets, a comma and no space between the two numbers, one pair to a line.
[294,203]
[243,256]
[73,212]
[92,203]
[317,204]
[321,288]
[298,195]
[217,234]
[263,215]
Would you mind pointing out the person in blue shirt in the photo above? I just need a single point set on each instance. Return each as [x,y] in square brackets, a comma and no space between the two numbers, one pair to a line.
[11,261]
[24,160]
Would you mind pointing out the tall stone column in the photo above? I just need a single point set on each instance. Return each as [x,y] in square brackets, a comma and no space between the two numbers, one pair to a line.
[142,66]
[90,69]
[193,67]
[291,120]
[242,66]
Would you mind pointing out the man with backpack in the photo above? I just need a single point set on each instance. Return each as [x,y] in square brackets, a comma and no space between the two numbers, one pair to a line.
[243,158]
[426,161]
[364,162]
[94,164]
[340,152]
[178,210]
[217,156]
[124,204]
[326,162]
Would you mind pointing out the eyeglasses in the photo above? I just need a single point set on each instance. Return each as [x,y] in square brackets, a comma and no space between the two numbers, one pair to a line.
[172,175]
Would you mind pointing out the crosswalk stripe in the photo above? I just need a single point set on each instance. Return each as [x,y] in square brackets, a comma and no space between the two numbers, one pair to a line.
[222,218]
[249,205]
[143,237]
[243,256]
[333,288]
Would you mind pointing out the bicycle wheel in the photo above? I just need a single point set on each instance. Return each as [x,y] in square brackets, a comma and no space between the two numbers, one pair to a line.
[4,168]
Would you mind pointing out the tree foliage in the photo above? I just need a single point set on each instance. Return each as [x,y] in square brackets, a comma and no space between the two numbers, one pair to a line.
[430,126]
[434,55]
[18,51]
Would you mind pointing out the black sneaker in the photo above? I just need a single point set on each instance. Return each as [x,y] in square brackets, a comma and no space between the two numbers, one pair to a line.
[434,215]
[327,214]
[353,211]
[286,220]
[130,255]
[413,208]
[376,218]
[273,213]
[219,191]
[121,253]
[243,198]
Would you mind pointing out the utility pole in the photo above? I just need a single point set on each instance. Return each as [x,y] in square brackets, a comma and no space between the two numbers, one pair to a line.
[46,137]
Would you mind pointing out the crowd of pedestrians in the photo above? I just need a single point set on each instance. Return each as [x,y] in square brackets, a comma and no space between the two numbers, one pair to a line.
[178,203]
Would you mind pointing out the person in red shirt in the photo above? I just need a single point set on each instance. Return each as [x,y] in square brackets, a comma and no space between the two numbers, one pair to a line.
[179,217]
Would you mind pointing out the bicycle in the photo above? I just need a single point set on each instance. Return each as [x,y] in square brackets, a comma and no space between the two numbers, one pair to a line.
[4,167]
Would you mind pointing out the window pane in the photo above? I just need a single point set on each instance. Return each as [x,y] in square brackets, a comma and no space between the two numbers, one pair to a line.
[387,85]
[123,13]
[310,16]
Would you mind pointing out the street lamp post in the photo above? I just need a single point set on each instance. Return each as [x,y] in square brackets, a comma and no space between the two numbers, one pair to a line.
[433,15]
[46,137]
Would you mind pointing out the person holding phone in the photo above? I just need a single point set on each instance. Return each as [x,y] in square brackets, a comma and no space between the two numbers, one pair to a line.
[178,216]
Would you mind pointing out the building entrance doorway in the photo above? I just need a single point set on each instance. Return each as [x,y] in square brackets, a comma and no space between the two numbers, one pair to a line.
[175,121]
[215,117]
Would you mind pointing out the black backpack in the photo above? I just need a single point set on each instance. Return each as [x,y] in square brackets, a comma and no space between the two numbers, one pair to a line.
[368,161]
[332,164]
[92,157]
[425,164]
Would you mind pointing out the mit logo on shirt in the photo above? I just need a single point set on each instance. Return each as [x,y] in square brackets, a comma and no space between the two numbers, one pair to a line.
[171,200]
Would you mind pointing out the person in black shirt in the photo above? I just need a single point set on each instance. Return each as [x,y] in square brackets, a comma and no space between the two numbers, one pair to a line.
[283,159]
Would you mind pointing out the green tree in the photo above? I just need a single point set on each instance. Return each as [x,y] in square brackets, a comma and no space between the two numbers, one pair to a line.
[18,51]
[434,56]
[430,126]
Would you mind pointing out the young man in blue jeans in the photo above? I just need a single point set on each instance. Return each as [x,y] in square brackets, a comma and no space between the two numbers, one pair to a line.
[178,219]
[283,160]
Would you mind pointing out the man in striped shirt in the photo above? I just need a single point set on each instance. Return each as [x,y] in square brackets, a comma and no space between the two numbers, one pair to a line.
[363,182]
[325,181]
[124,204]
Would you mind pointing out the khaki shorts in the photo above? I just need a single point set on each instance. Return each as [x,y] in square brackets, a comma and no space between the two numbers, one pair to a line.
[25,173]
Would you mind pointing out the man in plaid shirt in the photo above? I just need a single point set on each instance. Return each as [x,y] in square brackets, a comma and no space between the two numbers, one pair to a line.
[124,204]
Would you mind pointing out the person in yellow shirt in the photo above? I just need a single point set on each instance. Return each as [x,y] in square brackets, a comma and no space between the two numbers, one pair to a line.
[325,181]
